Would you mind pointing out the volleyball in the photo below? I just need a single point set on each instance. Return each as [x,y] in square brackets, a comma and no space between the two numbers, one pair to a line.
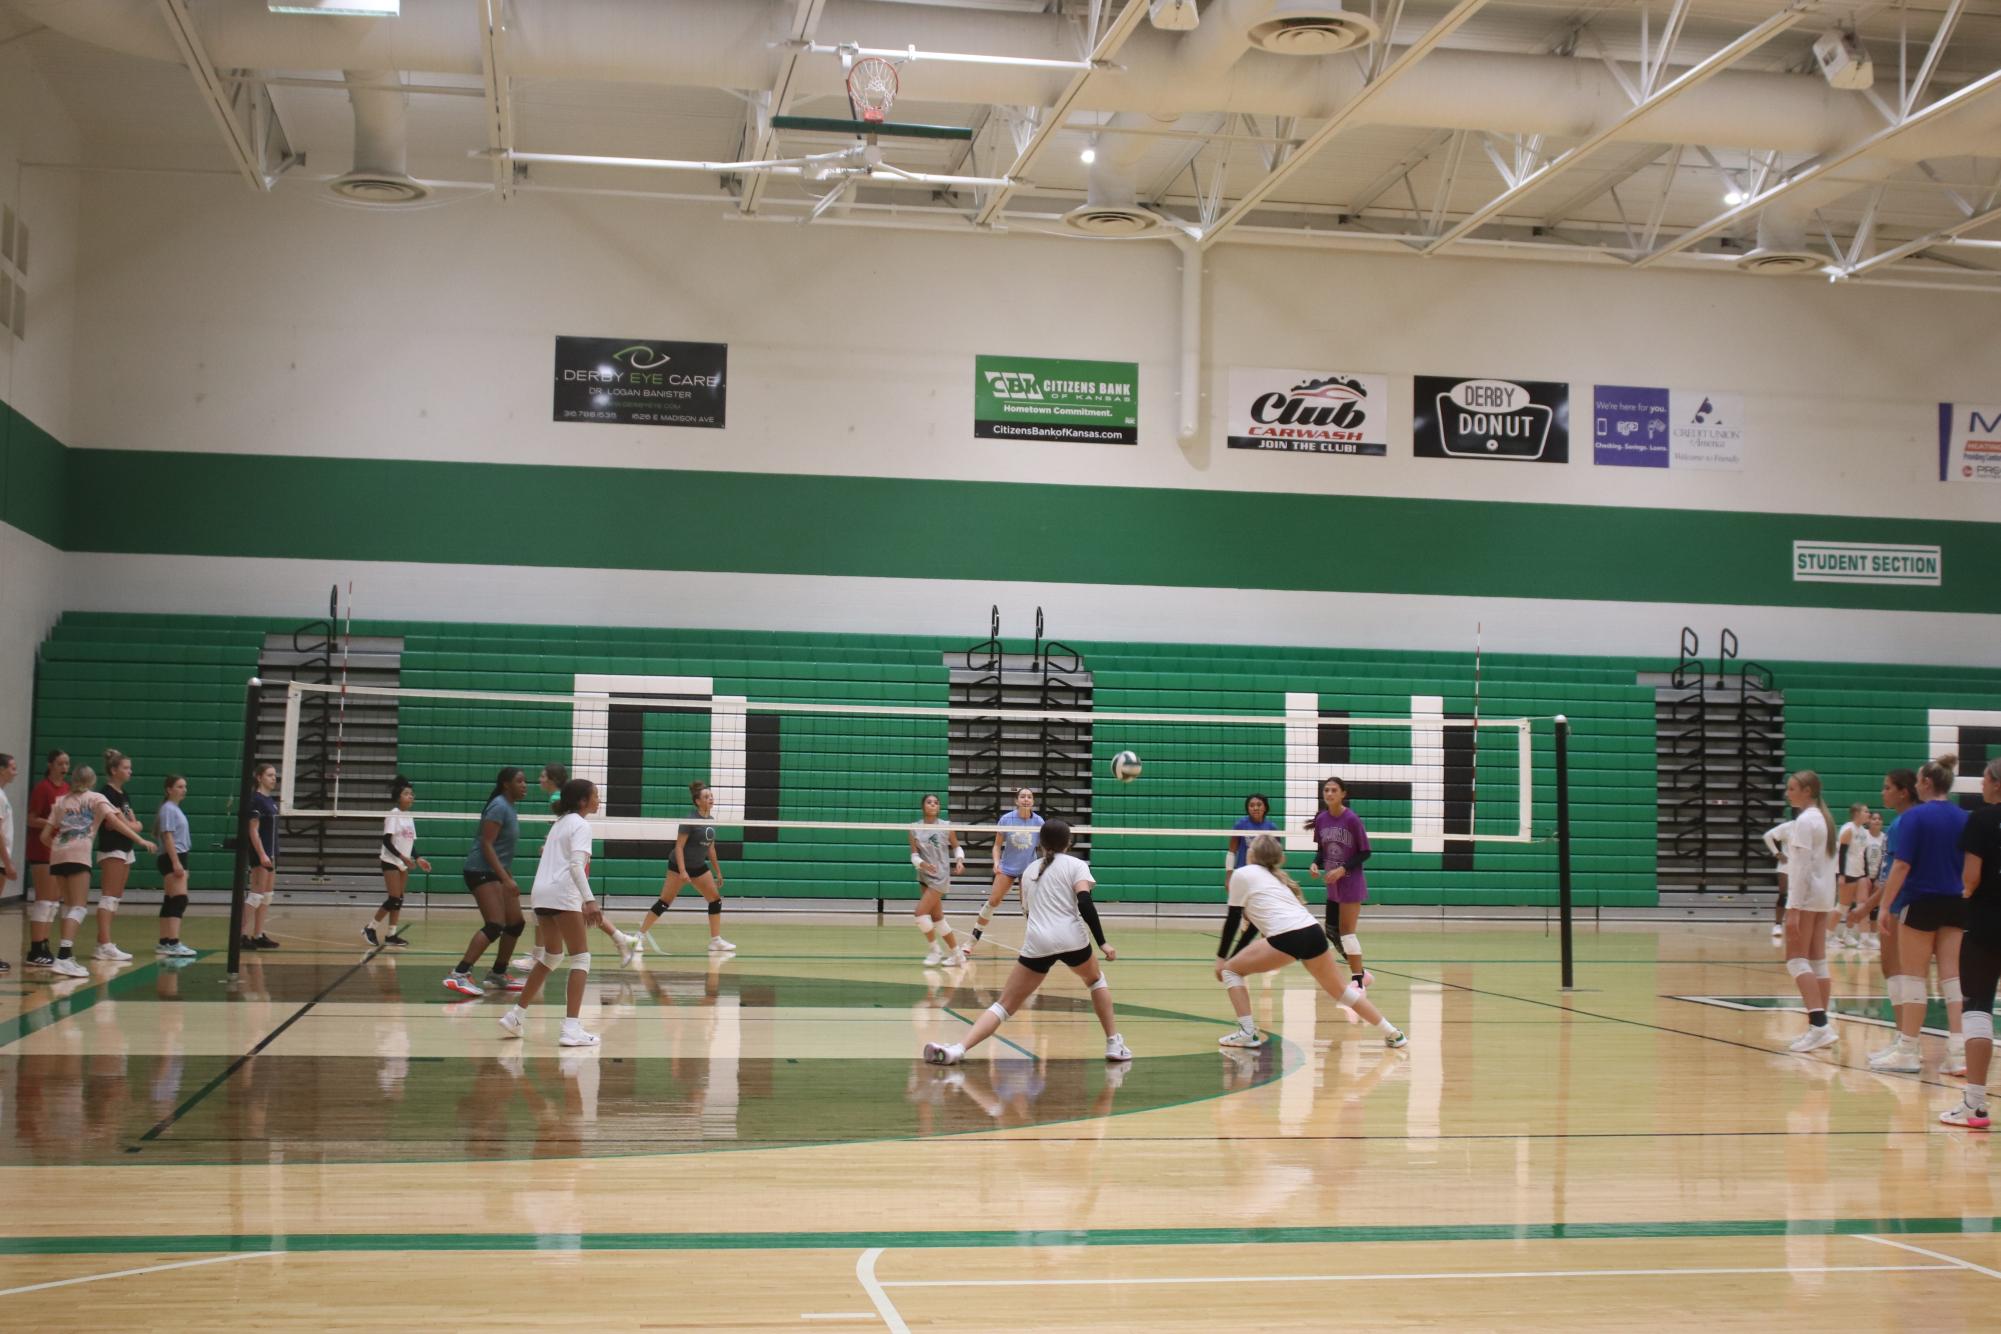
[1125,766]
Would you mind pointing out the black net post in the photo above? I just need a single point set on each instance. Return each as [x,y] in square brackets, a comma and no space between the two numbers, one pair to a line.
[1563,846]
[239,883]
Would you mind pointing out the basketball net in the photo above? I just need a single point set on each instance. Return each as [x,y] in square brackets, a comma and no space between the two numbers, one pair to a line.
[872,87]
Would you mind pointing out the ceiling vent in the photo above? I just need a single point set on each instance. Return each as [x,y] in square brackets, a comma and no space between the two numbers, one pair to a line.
[378,189]
[1774,262]
[1312,28]
[1111,220]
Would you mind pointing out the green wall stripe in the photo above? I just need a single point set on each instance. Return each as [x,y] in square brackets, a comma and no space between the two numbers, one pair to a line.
[32,478]
[932,1239]
[235,505]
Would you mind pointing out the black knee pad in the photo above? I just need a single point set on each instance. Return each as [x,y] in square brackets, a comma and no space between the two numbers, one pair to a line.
[392,904]
[174,905]
[513,930]
[660,907]
[492,931]
[715,907]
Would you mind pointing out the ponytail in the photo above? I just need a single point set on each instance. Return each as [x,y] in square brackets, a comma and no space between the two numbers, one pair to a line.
[1269,853]
[1941,773]
[111,759]
[500,782]
[1055,838]
[695,791]
[1809,782]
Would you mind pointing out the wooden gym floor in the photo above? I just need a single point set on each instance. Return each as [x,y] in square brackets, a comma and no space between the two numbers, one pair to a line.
[342,1144]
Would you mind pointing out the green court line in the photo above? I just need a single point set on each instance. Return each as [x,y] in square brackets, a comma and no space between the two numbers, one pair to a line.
[930,1239]
[1005,1042]
[58,1008]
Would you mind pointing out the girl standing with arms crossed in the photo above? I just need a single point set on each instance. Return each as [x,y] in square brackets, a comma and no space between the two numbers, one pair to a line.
[69,831]
[1344,846]
[171,824]
[1851,870]
[1810,903]
[934,850]
[114,855]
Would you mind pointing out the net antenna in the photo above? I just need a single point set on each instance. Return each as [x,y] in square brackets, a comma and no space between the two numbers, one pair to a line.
[872,88]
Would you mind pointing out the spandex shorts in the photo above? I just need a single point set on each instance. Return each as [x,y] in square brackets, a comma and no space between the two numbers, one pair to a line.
[125,857]
[1303,943]
[166,864]
[1934,912]
[1043,963]
[474,879]
[64,870]
[1980,968]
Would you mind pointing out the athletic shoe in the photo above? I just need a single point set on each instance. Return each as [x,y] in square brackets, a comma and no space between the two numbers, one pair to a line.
[502,982]
[397,941]
[628,948]
[5,968]
[1237,1037]
[956,959]
[1872,941]
[521,963]
[368,934]
[246,943]
[510,1022]
[110,953]
[573,1035]
[934,957]
[1778,931]
[1959,1114]
[464,985]
[1955,1058]
[39,961]
[717,945]
[1396,1040]
[1900,1059]
[173,949]
[639,943]
[1116,1050]
[939,1053]
[1815,1038]
[266,943]
[68,968]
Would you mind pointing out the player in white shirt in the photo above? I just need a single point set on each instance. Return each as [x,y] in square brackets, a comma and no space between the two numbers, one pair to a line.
[1851,871]
[1061,924]
[1263,892]
[565,911]
[398,855]
[935,852]
[1811,849]
[1775,843]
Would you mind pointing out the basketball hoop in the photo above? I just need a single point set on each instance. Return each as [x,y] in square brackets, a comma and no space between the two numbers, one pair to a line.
[872,85]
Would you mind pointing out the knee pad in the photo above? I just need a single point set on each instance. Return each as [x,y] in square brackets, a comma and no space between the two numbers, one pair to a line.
[174,905]
[1949,990]
[580,963]
[1230,979]
[1798,967]
[513,930]
[945,925]
[548,958]
[1101,984]
[254,900]
[924,922]
[392,903]
[43,910]
[1351,945]
[1907,990]
[76,914]
[660,907]
[1820,969]
[1351,995]
[999,1011]
[1977,1025]
[715,907]
[492,931]
[107,902]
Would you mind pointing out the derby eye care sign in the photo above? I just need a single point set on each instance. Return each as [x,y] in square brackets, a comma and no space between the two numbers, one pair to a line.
[1069,402]
[1310,412]
[641,381]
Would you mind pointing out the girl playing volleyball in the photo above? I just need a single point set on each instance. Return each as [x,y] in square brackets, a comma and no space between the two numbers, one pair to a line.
[1344,846]
[934,851]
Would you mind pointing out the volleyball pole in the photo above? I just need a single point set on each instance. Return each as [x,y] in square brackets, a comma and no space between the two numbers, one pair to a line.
[239,883]
[1563,848]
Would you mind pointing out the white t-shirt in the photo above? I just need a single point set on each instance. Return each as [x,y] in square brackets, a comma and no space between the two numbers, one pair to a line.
[401,830]
[1777,837]
[568,845]
[7,824]
[1049,899]
[1272,908]
[1809,865]
[1852,856]
[1872,856]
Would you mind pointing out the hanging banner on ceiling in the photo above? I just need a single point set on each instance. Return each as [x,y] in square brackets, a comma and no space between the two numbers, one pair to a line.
[1517,421]
[1309,412]
[641,382]
[1068,402]
[1634,426]
[1969,442]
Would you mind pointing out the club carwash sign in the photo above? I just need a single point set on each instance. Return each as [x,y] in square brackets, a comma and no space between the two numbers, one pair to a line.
[1069,402]
[1969,442]
[1309,412]
[1866,563]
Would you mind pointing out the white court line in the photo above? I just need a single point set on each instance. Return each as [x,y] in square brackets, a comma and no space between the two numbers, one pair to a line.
[132,1273]
[1952,1260]
[838,1315]
[1389,1278]
[884,1307]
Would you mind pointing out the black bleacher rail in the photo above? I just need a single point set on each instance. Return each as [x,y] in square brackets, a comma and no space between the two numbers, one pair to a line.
[312,777]
[1065,790]
[984,735]
[1723,806]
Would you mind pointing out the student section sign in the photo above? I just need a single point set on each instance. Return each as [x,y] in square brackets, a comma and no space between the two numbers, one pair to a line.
[1068,402]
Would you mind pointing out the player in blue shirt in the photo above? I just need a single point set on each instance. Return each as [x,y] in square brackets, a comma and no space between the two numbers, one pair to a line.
[1014,849]
[1926,899]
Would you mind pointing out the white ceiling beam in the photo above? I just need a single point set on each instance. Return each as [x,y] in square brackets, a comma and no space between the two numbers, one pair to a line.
[1827,164]
[499,98]
[1696,74]
[805,21]
[1053,116]
[225,100]
[1644,157]
[1343,118]
[1410,162]
[1925,242]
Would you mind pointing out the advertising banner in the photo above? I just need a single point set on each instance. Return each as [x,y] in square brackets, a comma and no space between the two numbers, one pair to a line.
[1518,421]
[1635,426]
[1070,402]
[1969,443]
[1309,412]
[641,381]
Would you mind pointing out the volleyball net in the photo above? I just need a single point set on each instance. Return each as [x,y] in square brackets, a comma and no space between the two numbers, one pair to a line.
[813,797]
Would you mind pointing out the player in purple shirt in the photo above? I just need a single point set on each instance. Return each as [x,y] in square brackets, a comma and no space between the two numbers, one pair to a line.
[1344,846]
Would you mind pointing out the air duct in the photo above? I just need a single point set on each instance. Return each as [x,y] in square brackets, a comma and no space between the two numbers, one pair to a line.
[380,177]
[1311,28]
[1111,207]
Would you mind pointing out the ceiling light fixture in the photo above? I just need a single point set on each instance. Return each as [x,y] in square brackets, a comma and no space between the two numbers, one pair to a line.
[1090,153]
[1733,197]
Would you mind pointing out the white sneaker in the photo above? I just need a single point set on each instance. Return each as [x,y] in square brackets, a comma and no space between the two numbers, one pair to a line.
[1955,1058]
[1897,1059]
[628,948]
[717,945]
[1778,931]
[1237,1037]
[1115,1049]
[956,959]
[1815,1038]
[510,1022]
[639,943]
[69,968]
[110,953]
[1396,1040]
[573,1035]
[1872,941]
[174,949]
[933,957]
[940,1053]
[521,963]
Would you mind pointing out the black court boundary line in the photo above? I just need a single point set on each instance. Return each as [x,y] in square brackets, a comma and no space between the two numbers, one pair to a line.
[166,1122]
[1663,1028]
